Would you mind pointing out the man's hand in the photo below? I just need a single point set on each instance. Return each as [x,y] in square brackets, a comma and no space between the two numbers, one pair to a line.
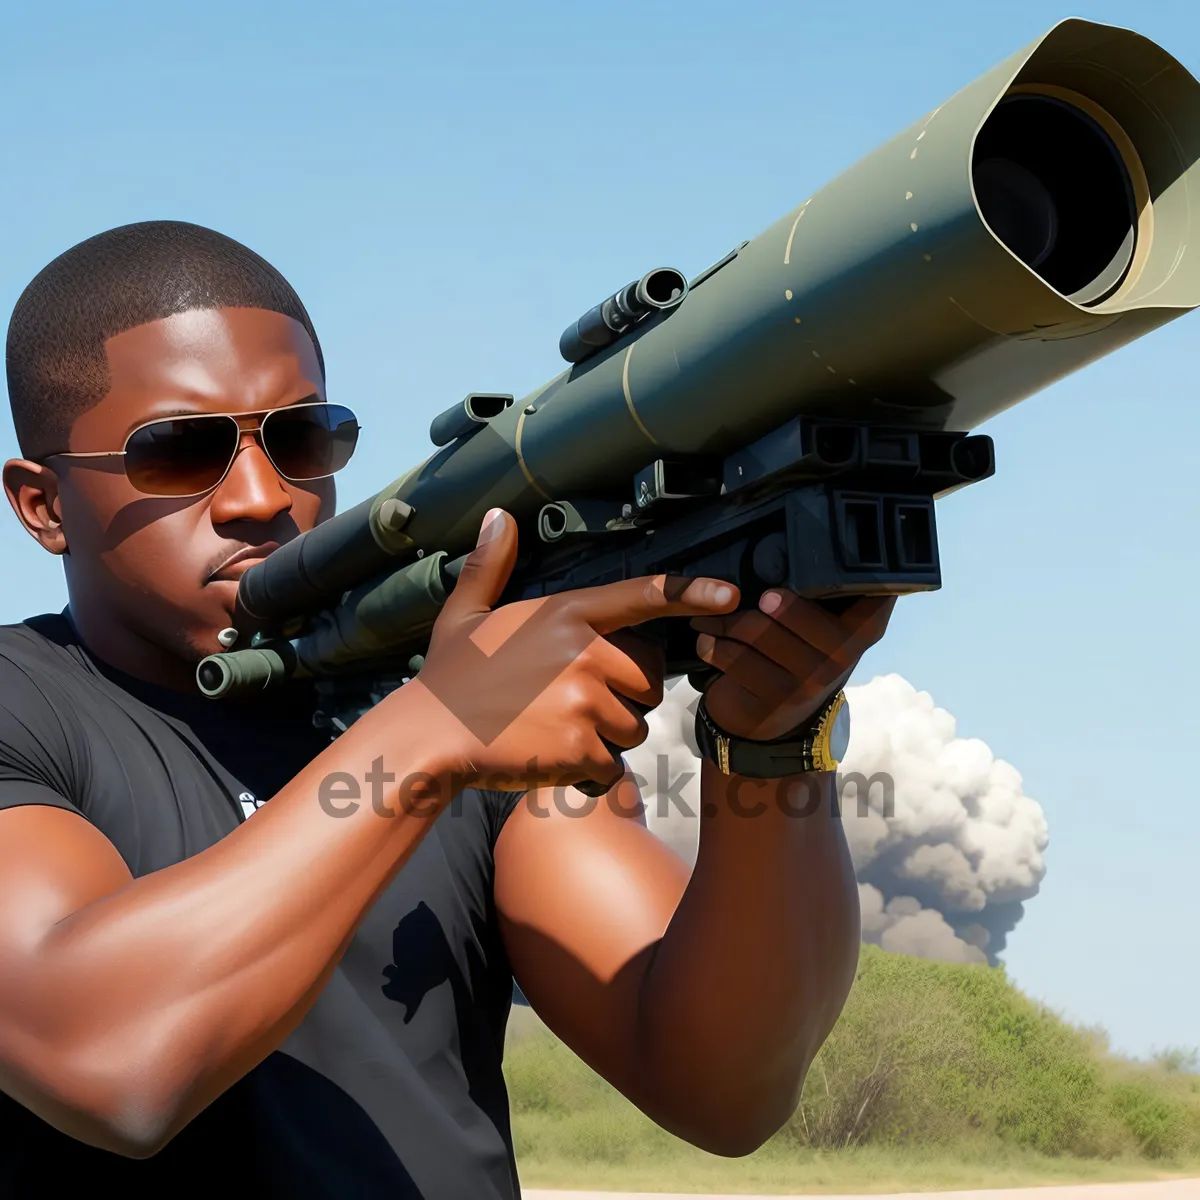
[780,663]
[546,687]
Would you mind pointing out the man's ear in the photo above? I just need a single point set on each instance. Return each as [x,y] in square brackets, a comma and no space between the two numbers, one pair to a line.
[32,491]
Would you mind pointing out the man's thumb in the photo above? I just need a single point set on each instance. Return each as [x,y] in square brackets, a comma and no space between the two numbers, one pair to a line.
[485,573]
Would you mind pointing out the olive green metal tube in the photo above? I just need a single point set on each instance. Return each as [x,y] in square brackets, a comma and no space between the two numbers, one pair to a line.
[884,297]
[372,619]
[242,671]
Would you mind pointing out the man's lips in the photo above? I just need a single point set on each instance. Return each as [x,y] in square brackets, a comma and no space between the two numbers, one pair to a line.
[236,565]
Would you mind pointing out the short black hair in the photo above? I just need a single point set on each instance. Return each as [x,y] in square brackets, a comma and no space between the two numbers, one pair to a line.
[113,282]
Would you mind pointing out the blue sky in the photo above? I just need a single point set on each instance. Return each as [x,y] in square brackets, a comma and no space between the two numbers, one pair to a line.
[449,185]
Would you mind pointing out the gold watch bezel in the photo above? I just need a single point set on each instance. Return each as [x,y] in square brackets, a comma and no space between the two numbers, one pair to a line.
[821,757]
[723,754]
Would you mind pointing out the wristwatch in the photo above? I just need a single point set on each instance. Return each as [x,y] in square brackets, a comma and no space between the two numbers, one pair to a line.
[817,745]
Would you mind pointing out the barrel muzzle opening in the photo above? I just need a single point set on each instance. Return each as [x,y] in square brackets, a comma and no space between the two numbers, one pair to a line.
[1059,183]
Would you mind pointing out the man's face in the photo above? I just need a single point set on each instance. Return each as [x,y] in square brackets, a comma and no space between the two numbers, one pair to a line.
[160,567]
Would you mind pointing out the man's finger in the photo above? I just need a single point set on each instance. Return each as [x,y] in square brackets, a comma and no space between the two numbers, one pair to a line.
[648,653]
[757,674]
[623,725]
[627,675]
[770,638]
[614,606]
[837,636]
[485,573]
[807,619]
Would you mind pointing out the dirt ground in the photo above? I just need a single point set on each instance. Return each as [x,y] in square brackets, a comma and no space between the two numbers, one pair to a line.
[1177,1189]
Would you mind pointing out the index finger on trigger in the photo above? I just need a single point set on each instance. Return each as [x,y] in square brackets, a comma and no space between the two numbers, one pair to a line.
[614,606]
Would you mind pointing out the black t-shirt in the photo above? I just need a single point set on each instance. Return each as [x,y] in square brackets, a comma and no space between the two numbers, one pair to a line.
[391,1086]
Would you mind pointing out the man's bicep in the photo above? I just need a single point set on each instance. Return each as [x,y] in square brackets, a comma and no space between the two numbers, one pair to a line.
[53,862]
[584,892]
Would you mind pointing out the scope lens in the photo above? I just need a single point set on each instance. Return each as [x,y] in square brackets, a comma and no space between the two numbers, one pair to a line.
[1053,187]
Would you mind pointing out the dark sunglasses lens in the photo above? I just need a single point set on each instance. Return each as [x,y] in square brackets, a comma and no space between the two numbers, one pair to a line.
[310,442]
[180,458]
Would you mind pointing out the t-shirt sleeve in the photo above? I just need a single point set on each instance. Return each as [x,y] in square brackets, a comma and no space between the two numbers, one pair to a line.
[36,763]
[499,806]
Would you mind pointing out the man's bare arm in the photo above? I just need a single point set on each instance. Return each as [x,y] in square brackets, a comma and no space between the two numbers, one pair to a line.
[703,999]
[758,960]
[128,1005]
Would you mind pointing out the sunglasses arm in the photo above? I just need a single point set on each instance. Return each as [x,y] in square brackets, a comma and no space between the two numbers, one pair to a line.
[85,454]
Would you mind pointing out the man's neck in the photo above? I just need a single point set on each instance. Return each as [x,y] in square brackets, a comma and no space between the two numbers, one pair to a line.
[130,652]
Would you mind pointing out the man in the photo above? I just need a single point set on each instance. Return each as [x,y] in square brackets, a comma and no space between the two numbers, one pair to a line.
[209,981]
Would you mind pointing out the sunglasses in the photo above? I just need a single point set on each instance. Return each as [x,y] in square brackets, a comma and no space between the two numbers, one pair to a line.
[191,455]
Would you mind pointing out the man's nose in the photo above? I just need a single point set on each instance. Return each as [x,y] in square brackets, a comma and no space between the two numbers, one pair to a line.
[252,490]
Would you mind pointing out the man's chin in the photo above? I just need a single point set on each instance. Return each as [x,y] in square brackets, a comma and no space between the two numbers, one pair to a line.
[195,637]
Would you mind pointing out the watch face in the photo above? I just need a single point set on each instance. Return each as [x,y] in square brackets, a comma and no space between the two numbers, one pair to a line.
[839,735]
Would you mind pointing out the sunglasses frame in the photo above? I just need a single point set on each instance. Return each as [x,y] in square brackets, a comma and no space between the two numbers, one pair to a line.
[263,415]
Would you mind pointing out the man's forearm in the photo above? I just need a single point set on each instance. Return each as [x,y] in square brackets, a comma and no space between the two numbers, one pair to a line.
[756,963]
[149,1002]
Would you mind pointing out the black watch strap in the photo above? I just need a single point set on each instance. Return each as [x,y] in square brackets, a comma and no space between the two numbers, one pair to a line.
[796,752]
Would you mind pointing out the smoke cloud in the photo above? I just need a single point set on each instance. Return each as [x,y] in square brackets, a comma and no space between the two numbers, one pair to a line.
[945,859]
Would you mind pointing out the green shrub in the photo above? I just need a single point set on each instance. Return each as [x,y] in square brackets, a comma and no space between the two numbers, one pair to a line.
[1160,1124]
[934,1052]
